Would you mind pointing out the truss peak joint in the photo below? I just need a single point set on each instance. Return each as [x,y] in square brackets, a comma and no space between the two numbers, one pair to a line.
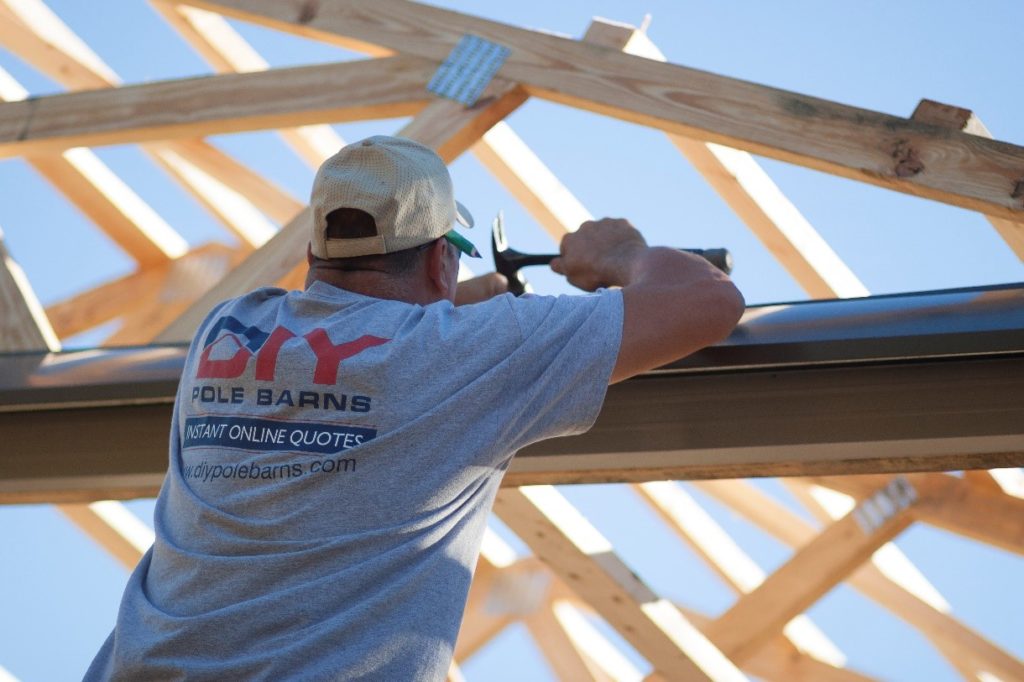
[468,69]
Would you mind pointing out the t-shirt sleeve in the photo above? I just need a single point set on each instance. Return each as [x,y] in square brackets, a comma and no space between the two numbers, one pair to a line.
[561,368]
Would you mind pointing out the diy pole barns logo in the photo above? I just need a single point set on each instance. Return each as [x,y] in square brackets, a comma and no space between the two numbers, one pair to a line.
[225,356]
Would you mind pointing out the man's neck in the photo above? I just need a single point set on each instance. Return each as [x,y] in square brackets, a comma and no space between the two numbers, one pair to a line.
[374,284]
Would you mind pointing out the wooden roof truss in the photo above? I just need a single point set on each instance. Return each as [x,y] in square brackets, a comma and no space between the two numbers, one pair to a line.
[615,70]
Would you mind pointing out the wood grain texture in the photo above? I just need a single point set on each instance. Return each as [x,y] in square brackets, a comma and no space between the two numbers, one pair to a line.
[958,118]
[144,292]
[587,565]
[745,187]
[952,638]
[953,504]
[889,151]
[812,571]
[328,93]
[111,205]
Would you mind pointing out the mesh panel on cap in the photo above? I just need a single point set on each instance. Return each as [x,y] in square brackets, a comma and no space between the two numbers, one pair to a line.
[402,184]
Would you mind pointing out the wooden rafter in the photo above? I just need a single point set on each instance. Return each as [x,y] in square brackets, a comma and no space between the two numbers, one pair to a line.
[909,155]
[379,88]
[811,572]
[955,505]
[584,560]
[952,638]
[749,192]
[957,118]
[444,125]
[688,519]
[877,148]
[227,52]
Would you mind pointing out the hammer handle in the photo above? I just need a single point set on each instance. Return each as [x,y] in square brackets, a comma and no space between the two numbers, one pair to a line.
[720,258]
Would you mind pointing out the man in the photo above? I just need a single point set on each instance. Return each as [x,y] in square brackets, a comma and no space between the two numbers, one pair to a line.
[335,452]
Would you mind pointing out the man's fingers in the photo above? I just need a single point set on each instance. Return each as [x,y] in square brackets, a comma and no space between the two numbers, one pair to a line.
[556,265]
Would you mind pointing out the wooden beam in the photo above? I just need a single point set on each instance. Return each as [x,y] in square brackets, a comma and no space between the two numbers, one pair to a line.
[30,29]
[23,324]
[813,570]
[112,205]
[446,126]
[480,624]
[683,515]
[778,662]
[530,181]
[378,88]
[954,640]
[559,649]
[869,146]
[228,52]
[955,505]
[748,191]
[602,657]
[181,284]
[153,290]
[957,118]
[267,196]
[586,562]
[90,186]
[112,526]
[51,44]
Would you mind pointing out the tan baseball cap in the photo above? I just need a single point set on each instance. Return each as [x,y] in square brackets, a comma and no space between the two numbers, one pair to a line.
[403,185]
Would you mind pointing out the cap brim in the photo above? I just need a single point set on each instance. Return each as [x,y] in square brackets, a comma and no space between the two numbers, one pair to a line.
[462,244]
[462,215]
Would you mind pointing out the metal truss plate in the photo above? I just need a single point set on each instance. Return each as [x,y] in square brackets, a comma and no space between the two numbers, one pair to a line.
[468,69]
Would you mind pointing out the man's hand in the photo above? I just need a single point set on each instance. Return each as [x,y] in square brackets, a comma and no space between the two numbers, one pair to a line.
[601,253]
[674,303]
[479,289]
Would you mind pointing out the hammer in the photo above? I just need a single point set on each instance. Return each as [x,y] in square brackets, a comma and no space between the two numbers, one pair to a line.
[508,261]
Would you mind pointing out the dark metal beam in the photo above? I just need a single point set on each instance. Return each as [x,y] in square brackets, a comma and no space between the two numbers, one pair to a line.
[914,382]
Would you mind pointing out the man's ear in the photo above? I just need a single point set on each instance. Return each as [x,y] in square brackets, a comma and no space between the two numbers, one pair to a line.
[439,266]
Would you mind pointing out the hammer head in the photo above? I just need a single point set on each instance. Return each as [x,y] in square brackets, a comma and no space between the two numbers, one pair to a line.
[507,261]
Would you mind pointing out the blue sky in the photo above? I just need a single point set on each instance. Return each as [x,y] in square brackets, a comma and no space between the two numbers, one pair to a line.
[58,593]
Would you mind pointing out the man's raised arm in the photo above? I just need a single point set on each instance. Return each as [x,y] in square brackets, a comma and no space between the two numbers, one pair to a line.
[675,303]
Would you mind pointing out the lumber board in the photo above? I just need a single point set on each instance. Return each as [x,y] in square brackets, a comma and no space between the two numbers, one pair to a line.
[530,181]
[208,105]
[23,324]
[51,46]
[446,126]
[111,205]
[227,52]
[745,187]
[558,648]
[31,29]
[583,560]
[958,118]
[777,661]
[955,505]
[265,195]
[160,289]
[951,637]
[692,524]
[811,572]
[888,151]
[111,526]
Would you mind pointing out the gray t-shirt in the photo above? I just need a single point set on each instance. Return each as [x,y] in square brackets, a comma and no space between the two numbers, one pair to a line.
[333,459]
